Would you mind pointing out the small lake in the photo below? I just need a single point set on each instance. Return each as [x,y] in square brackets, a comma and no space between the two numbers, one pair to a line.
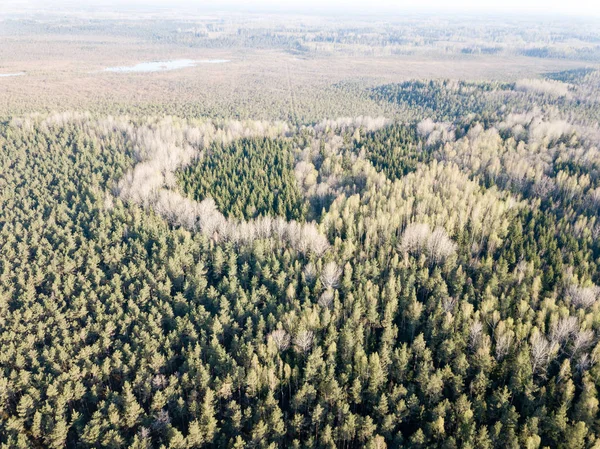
[5,75]
[162,66]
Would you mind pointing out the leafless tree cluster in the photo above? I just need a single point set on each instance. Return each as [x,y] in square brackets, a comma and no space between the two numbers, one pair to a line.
[440,246]
[326,150]
[568,335]
[305,238]
[536,127]
[419,239]
[281,339]
[526,162]
[548,87]
[563,329]
[352,123]
[162,147]
[167,145]
[436,132]
[449,304]
[439,194]
[582,340]
[583,297]
[415,237]
[205,217]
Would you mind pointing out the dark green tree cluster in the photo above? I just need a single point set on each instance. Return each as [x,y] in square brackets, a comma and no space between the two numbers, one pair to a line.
[570,76]
[395,150]
[447,100]
[247,179]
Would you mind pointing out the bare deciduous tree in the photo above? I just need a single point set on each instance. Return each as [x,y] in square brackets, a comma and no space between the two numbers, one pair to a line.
[541,351]
[544,187]
[352,123]
[582,340]
[330,276]
[550,87]
[440,246]
[326,298]
[418,238]
[425,127]
[584,363]
[475,334]
[583,297]
[304,340]
[563,329]
[435,132]
[159,381]
[310,273]
[281,339]
[307,238]
[503,343]
[414,238]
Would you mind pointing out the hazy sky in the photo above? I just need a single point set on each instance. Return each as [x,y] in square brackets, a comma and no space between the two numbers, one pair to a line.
[580,7]
[556,7]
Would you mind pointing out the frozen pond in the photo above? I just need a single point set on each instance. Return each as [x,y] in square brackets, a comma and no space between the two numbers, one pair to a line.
[161,66]
[5,75]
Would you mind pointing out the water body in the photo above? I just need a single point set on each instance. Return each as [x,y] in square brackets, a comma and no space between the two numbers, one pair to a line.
[5,75]
[162,66]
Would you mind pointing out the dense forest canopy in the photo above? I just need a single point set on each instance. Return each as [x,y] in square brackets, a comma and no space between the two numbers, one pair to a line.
[423,274]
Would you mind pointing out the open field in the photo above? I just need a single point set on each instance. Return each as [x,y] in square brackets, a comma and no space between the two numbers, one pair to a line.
[65,69]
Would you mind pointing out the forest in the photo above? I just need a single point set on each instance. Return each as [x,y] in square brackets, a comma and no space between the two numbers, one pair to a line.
[428,277]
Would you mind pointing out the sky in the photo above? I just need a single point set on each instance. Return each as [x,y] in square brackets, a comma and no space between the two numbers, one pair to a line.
[585,8]
[578,7]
